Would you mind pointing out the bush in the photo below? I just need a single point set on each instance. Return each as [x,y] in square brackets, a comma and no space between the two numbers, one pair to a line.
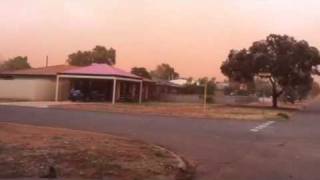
[283,115]
[210,100]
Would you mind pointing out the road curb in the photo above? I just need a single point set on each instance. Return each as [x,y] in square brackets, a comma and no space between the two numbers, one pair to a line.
[186,170]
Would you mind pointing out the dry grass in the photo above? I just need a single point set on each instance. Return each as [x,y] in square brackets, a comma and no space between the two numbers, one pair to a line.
[28,151]
[253,112]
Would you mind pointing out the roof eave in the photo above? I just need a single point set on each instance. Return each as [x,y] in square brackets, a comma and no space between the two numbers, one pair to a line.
[99,75]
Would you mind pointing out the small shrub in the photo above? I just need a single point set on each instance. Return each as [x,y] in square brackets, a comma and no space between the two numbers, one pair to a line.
[159,154]
[210,100]
[283,115]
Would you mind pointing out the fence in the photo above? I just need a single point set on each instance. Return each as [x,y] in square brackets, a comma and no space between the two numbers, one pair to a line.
[194,98]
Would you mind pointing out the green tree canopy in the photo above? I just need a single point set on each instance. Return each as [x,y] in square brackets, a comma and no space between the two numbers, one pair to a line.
[15,63]
[288,64]
[165,72]
[197,87]
[99,54]
[211,84]
[141,71]
[80,58]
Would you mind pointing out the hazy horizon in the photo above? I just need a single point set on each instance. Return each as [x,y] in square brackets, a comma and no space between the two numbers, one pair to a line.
[193,36]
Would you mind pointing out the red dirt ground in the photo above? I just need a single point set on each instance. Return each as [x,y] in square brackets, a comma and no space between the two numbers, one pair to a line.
[28,151]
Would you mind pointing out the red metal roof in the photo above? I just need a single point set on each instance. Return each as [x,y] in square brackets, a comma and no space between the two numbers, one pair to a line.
[42,71]
[100,70]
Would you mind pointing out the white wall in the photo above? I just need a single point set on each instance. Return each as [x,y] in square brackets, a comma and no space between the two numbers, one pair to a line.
[32,89]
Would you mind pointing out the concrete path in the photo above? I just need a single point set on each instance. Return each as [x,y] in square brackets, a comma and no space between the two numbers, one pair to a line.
[223,150]
[36,104]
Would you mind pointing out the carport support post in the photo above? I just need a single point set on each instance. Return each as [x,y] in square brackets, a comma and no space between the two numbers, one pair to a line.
[114,91]
[140,92]
[57,88]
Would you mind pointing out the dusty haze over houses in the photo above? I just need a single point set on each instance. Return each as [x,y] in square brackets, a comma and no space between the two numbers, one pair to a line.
[1,58]
[193,36]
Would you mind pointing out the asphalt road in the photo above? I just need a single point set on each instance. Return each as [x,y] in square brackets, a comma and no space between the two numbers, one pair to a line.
[223,150]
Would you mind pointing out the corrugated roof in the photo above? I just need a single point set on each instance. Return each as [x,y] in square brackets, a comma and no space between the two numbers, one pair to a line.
[93,70]
[162,82]
[42,71]
[100,70]
[148,80]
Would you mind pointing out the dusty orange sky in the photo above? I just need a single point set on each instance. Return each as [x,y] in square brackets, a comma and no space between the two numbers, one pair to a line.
[193,36]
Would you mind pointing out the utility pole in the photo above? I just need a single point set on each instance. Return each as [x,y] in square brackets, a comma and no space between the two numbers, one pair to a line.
[47,60]
[205,96]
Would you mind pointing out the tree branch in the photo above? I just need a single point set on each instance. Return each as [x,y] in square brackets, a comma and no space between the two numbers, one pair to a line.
[280,92]
[272,80]
[274,87]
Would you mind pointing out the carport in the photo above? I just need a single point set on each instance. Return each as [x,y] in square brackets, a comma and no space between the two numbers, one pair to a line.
[106,72]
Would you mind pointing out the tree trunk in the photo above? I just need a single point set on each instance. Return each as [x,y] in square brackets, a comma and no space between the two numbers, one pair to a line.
[275,95]
[274,100]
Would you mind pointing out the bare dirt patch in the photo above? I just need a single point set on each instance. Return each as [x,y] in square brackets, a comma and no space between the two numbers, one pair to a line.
[252,112]
[30,151]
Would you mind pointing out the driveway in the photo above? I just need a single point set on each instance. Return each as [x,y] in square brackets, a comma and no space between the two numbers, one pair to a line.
[223,150]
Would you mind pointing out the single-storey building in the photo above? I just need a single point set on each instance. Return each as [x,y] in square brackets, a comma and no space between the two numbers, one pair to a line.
[98,82]
[36,84]
[162,88]
[102,82]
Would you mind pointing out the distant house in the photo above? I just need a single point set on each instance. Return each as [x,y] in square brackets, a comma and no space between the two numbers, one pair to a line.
[99,82]
[220,86]
[160,88]
[180,81]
